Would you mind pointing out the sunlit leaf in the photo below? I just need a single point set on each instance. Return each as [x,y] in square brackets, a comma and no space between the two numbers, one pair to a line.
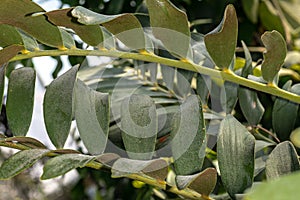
[58,107]
[20,161]
[188,137]
[274,55]
[20,98]
[235,149]
[92,117]
[139,126]
[19,14]
[62,164]
[170,24]
[221,46]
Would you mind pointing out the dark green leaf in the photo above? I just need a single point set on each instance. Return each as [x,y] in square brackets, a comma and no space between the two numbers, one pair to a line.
[2,82]
[9,52]
[188,137]
[9,36]
[20,98]
[247,69]
[92,117]
[139,126]
[62,164]
[58,107]
[203,182]
[20,161]
[235,149]
[229,96]
[251,9]
[251,106]
[183,83]
[27,141]
[202,87]
[274,56]
[221,46]
[282,160]
[91,34]
[19,13]
[170,24]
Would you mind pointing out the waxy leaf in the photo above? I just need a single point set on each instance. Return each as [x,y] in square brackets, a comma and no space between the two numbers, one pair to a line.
[20,161]
[235,149]
[20,98]
[30,43]
[139,126]
[92,117]
[62,164]
[203,182]
[91,34]
[58,107]
[9,52]
[19,14]
[157,168]
[274,56]
[170,24]
[188,137]
[221,46]
[282,160]
[9,36]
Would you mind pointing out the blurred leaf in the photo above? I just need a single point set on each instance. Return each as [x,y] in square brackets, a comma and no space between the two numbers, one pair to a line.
[203,182]
[286,187]
[274,56]
[282,160]
[188,137]
[183,83]
[290,10]
[9,52]
[157,168]
[269,17]
[20,161]
[295,137]
[221,46]
[62,164]
[247,68]
[139,126]
[170,24]
[19,13]
[92,117]
[91,34]
[251,9]
[235,149]
[58,107]
[9,36]
[108,39]
[251,106]
[20,98]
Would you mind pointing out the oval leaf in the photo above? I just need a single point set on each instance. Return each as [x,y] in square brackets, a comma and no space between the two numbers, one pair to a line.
[235,149]
[188,137]
[274,56]
[139,126]
[9,52]
[20,161]
[9,36]
[282,160]
[20,98]
[62,164]
[221,46]
[92,117]
[58,107]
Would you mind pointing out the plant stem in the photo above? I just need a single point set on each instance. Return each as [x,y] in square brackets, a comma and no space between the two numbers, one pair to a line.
[223,75]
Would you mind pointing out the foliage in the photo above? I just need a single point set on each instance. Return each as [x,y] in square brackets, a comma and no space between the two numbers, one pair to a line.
[177,110]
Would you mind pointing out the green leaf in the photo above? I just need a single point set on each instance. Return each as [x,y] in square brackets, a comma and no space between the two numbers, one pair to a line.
[282,160]
[290,10]
[251,9]
[107,159]
[157,168]
[58,107]
[2,82]
[9,52]
[221,46]
[27,141]
[183,83]
[203,182]
[20,161]
[295,137]
[9,36]
[139,126]
[62,164]
[235,149]
[67,39]
[286,187]
[170,24]
[91,34]
[19,14]
[202,87]
[229,96]
[20,98]
[247,69]
[30,43]
[92,117]
[274,55]
[251,106]
[188,137]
